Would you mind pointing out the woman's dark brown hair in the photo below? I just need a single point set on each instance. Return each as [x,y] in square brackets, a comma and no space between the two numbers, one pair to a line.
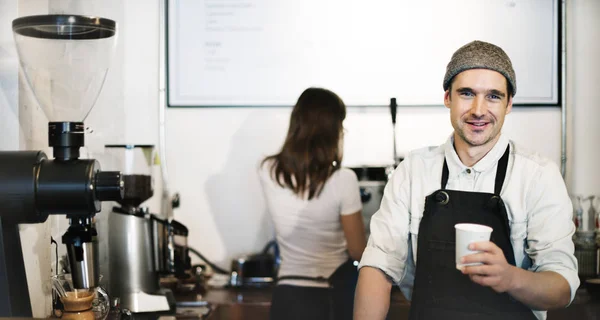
[311,151]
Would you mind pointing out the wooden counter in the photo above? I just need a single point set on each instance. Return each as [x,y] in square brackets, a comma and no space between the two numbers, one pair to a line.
[236,303]
[582,307]
[254,303]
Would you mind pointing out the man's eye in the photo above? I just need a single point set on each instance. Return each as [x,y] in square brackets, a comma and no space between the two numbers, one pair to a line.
[466,94]
[494,97]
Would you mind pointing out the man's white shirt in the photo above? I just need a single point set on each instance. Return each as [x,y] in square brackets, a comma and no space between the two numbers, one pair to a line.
[537,203]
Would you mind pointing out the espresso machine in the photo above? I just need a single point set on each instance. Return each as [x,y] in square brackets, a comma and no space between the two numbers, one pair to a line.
[64,59]
[139,247]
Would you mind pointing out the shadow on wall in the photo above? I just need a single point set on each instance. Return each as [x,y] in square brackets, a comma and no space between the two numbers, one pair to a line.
[234,194]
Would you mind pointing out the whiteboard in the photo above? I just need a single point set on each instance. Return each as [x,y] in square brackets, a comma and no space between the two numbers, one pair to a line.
[266,52]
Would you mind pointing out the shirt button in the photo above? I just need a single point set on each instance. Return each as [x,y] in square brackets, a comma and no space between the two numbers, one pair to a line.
[469,171]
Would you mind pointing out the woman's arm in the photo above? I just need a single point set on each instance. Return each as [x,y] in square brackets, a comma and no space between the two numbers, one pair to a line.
[354,230]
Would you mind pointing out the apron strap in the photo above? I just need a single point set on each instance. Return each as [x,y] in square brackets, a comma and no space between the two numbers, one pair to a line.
[445,174]
[500,172]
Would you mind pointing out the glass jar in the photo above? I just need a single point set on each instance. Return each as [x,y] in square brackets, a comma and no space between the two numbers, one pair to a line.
[586,252]
[79,304]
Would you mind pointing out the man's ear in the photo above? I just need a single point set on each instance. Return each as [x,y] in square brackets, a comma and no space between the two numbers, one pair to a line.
[509,105]
[447,99]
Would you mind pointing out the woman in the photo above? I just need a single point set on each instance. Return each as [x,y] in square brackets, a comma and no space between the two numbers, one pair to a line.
[316,209]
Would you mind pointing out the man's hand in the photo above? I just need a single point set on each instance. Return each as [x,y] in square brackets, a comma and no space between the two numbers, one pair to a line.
[495,272]
[539,290]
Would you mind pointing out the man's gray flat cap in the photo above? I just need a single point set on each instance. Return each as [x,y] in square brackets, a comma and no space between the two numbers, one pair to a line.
[480,55]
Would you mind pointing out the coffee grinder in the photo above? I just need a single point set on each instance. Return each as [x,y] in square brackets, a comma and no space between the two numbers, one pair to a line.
[65,59]
[137,243]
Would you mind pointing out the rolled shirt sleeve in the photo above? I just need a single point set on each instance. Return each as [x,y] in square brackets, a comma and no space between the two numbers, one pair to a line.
[388,245]
[550,227]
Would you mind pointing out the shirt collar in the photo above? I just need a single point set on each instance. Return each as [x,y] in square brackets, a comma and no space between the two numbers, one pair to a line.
[455,166]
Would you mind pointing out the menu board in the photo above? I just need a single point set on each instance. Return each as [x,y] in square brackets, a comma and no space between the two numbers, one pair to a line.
[223,53]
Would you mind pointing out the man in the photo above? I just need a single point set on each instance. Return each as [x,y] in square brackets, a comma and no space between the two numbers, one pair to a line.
[477,176]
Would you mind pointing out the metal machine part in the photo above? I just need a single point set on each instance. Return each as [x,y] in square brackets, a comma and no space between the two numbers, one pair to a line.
[141,246]
[171,252]
[256,270]
[135,161]
[30,189]
[30,185]
[66,77]
[133,276]
[393,107]
[178,240]
[18,172]
[17,205]
[81,240]
[79,184]
[160,244]
[390,169]
[165,236]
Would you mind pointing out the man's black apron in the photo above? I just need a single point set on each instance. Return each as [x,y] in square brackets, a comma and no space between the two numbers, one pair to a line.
[338,300]
[440,290]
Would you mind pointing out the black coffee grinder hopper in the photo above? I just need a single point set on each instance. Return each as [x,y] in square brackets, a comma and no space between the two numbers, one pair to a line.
[65,60]
[138,182]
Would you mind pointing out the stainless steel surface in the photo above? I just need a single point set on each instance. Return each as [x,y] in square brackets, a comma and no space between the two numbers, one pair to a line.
[85,273]
[170,248]
[160,245]
[133,276]
[177,253]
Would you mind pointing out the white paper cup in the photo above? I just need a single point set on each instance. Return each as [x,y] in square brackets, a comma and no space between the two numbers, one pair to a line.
[467,233]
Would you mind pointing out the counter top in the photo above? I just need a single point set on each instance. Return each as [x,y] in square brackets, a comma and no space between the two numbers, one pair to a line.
[582,307]
[254,303]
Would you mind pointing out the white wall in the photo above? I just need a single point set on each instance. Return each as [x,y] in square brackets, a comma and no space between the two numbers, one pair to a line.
[583,96]
[212,153]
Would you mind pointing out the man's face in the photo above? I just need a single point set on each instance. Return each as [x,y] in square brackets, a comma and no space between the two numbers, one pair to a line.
[478,101]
